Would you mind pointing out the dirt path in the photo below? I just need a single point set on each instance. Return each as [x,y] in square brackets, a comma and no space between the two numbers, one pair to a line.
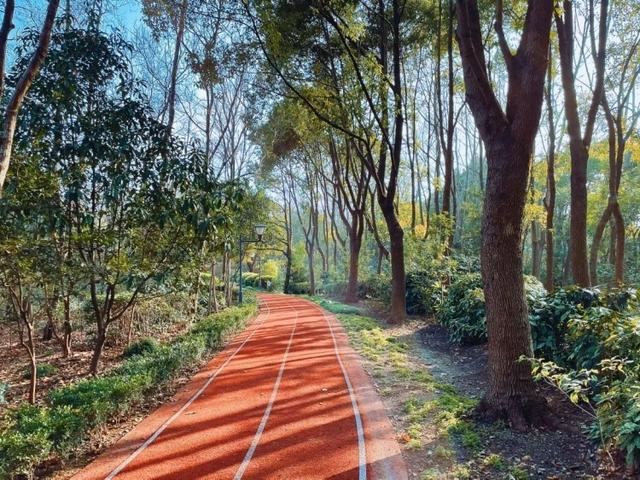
[286,399]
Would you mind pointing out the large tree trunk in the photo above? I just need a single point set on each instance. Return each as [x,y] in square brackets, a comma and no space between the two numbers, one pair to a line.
[398,310]
[578,218]
[511,391]
[312,275]
[25,81]
[355,243]
[508,136]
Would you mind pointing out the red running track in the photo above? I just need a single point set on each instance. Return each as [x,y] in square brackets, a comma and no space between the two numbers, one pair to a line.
[287,399]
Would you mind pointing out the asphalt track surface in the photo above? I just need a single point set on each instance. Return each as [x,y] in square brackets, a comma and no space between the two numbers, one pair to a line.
[286,399]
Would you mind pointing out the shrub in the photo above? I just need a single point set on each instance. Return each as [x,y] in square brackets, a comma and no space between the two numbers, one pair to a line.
[142,346]
[24,440]
[375,287]
[425,292]
[250,279]
[463,310]
[336,288]
[298,288]
[337,307]
[30,433]
[561,315]
[596,341]
[43,370]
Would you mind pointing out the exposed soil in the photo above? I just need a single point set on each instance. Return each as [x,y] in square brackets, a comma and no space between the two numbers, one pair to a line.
[563,453]
[14,361]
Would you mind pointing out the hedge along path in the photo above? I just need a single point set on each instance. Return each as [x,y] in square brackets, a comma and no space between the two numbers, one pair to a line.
[285,399]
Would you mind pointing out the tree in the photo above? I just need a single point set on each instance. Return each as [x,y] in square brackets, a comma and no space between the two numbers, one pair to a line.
[24,80]
[117,174]
[622,118]
[370,73]
[579,143]
[508,137]
[161,15]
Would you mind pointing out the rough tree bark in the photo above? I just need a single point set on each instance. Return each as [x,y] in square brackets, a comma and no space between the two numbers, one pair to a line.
[10,116]
[508,137]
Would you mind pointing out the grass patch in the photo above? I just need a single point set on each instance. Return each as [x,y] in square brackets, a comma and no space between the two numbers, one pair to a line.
[494,461]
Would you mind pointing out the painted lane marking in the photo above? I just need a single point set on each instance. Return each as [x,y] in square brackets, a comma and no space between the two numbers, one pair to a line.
[162,427]
[362,451]
[267,412]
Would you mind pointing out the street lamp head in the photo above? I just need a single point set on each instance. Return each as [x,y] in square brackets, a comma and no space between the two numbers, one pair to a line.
[260,228]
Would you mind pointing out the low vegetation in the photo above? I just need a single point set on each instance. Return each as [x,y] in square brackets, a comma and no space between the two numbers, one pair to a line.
[30,434]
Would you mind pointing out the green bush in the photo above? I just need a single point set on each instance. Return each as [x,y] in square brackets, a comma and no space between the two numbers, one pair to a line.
[563,323]
[336,307]
[250,279]
[376,287]
[425,292]
[31,433]
[462,313]
[298,288]
[336,288]
[593,340]
[142,346]
[43,370]
[24,440]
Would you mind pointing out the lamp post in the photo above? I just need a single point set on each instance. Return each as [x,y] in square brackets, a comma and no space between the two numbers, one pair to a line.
[259,229]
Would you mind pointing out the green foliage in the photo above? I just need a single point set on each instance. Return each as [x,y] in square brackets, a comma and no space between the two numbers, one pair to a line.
[595,352]
[427,286]
[375,287]
[252,279]
[336,307]
[30,433]
[141,347]
[463,310]
[425,293]
[298,288]
[24,440]
[569,325]
[43,370]
[335,288]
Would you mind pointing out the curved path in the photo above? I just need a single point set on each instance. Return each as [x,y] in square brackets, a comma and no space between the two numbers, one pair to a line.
[287,399]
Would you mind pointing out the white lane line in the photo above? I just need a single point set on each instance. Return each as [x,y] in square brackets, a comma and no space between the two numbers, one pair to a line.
[267,412]
[162,427]
[362,451]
